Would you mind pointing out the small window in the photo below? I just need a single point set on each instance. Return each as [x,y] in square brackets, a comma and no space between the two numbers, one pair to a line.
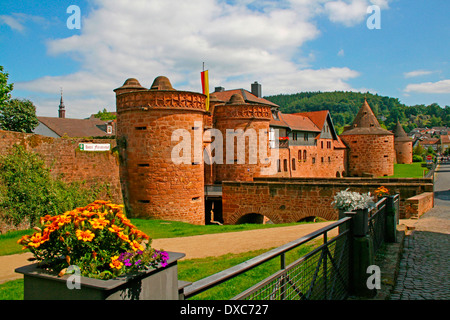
[109,129]
[304,155]
[279,165]
[285,164]
[141,128]
[321,159]
[293,163]
[329,159]
[305,136]
[294,135]
[143,165]
[313,160]
[299,154]
[321,144]
[144,201]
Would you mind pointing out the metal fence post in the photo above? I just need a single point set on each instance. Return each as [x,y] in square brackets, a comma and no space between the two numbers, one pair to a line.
[391,220]
[363,254]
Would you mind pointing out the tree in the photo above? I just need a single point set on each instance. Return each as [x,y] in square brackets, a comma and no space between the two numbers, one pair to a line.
[5,88]
[105,115]
[18,115]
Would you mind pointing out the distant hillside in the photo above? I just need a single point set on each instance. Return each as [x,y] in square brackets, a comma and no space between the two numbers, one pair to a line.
[344,106]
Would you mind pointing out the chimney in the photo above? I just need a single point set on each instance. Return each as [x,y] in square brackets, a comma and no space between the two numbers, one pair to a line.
[256,89]
[62,108]
[219,89]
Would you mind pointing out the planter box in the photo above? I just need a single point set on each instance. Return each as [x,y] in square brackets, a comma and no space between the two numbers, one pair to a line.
[154,284]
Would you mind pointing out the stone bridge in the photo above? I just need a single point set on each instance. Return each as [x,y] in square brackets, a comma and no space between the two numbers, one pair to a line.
[284,200]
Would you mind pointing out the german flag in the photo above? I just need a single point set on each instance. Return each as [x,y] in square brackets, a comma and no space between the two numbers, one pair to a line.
[205,87]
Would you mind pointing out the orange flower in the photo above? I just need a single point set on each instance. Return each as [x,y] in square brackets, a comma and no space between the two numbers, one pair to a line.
[62,220]
[99,223]
[123,236]
[37,239]
[84,235]
[136,246]
[115,228]
[115,263]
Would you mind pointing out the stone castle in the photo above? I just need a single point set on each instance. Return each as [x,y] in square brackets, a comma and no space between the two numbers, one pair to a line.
[305,145]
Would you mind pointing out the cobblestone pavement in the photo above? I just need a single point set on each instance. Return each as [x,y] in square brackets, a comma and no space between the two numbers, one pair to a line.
[424,269]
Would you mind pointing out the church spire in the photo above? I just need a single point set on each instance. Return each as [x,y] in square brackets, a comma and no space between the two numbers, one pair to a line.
[62,108]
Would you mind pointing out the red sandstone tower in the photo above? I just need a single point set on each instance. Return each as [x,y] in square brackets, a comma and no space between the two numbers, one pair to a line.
[253,119]
[371,148]
[153,185]
[402,145]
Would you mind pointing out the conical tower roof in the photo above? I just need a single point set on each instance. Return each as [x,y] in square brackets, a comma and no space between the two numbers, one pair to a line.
[366,123]
[399,133]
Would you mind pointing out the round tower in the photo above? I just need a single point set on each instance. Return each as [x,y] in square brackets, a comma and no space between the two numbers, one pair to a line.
[371,148]
[242,125]
[402,145]
[158,181]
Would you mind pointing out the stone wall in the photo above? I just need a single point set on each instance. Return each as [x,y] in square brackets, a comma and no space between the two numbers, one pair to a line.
[68,162]
[291,200]
[419,204]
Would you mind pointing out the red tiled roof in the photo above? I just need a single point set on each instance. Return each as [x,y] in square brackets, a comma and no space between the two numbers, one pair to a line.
[318,117]
[91,127]
[299,122]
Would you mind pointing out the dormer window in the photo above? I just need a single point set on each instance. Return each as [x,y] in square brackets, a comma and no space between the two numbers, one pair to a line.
[275,115]
[109,129]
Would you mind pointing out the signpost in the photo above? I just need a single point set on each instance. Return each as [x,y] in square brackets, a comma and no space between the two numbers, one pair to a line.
[94,146]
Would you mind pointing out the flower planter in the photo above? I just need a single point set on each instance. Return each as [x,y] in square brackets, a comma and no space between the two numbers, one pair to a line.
[155,284]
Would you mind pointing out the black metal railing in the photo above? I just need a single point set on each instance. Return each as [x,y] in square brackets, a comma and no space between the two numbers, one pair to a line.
[377,220]
[330,271]
[320,274]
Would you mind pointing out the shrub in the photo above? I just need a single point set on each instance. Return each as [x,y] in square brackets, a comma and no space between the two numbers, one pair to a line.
[417,158]
[27,190]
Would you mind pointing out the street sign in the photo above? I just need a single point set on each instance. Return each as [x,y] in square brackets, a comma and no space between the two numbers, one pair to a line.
[429,158]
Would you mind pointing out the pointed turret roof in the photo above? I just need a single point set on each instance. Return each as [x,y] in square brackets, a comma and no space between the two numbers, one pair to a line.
[399,133]
[366,123]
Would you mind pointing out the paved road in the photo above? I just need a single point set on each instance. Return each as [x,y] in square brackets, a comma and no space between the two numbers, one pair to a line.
[424,271]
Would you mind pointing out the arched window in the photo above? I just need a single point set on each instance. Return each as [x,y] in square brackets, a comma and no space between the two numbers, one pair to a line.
[299,154]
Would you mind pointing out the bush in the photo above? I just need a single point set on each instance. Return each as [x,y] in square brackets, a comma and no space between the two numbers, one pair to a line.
[27,190]
[417,158]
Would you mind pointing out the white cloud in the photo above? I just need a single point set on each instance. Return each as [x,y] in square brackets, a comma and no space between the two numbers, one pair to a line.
[17,21]
[351,12]
[238,43]
[442,86]
[417,73]
[341,53]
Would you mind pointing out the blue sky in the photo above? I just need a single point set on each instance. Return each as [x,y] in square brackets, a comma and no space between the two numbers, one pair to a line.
[288,46]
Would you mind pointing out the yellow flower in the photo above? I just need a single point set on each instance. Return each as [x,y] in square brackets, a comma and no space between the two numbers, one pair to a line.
[37,239]
[99,223]
[115,263]
[84,235]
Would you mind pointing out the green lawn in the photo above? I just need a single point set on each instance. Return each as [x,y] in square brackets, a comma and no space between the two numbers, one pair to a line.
[413,170]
